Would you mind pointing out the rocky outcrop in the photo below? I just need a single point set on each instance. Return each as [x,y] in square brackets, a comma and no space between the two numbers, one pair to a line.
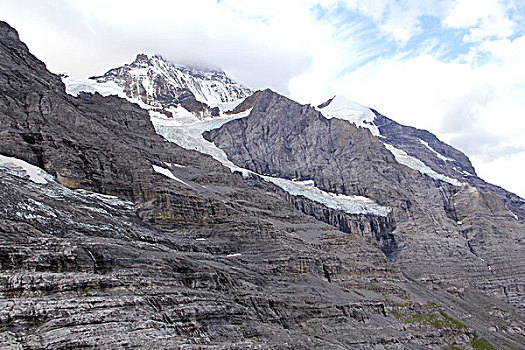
[186,254]
[286,139]
[289,140]
[374,229]
[422,144]
[79,269]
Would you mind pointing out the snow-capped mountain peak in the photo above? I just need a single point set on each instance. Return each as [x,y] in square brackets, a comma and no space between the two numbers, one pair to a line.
[343,108]
[160,83]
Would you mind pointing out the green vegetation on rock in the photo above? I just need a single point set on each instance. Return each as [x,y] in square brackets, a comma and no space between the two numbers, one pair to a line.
[481,344]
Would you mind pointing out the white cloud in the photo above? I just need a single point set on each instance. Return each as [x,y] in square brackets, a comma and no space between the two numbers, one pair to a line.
[484,19]
[262,46]
[505,171]
[400,20]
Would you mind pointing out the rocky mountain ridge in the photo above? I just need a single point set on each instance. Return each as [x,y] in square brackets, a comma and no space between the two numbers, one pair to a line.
[140,243]
[411,145]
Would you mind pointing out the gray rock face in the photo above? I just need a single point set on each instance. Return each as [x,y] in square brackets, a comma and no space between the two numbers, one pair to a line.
[435,238]
[290,140]
[203,261]
[373,228]
[449,161]
[82,270]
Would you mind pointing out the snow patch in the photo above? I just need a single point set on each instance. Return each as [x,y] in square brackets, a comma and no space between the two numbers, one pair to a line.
[512,213]
[233,255]
[462,172]
[166,172]
[174,164]
[21,168]
[439,155]
[108,199]
[180,115]
[74,86]
[348,204]
[189,136]
[345,109]
[403,158]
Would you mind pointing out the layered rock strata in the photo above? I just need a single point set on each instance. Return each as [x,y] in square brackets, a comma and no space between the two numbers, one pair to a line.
[138,243]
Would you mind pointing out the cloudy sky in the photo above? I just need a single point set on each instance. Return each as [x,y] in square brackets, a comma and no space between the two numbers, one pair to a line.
[454,67]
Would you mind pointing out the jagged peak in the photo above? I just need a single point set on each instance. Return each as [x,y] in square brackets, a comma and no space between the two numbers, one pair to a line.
[8,31]
[156,80]
[144,60]
[141,57]
[164,65]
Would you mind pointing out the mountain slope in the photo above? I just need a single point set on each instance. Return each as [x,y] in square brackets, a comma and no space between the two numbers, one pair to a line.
[442,158]
[443,232]
[188,254]
[441,161]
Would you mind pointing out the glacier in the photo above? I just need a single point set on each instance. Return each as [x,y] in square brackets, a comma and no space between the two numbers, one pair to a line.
[186,130]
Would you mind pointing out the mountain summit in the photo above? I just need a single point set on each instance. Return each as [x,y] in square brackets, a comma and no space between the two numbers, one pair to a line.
[162,86]
[158,82]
